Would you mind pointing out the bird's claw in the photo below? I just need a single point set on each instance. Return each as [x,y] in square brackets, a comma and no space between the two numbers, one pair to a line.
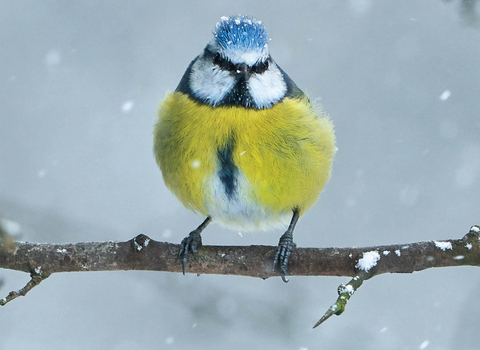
[282,254]
[191,243]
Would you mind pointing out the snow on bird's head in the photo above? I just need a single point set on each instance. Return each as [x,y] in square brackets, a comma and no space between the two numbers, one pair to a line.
[241,39]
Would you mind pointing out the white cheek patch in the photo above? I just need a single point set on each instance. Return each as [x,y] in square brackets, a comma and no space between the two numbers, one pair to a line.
[268,88]
[210,83]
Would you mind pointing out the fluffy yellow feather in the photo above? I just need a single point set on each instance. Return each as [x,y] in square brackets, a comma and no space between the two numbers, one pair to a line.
[284,152]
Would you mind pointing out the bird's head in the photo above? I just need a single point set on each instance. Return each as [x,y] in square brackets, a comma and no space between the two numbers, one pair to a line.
[236,68]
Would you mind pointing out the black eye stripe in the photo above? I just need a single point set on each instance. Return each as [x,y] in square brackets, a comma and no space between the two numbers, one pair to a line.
[226,64]
[223,63]
[260,67]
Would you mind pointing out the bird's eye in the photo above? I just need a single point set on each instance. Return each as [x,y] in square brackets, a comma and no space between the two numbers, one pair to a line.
[260,67]
[217,59]
[223,63]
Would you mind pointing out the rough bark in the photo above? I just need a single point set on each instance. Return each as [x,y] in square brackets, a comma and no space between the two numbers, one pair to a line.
[143,253]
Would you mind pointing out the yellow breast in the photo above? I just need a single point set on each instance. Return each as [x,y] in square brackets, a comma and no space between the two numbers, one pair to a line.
[280,157]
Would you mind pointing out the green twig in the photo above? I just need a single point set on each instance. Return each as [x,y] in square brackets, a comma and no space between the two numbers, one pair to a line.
[344,294]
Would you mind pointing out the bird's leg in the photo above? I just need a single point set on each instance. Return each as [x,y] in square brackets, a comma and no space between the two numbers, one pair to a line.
[284,248]
[192,243]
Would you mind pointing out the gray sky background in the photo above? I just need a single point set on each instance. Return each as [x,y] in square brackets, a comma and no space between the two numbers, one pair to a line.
[80,83]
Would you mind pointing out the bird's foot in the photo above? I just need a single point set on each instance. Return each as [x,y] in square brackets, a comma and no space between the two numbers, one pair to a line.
[282,254]
[191,243]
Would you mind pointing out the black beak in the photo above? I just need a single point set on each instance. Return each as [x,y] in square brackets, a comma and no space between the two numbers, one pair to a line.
[243,69]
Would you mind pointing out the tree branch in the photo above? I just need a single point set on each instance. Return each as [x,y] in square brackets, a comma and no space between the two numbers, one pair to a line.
[143,253]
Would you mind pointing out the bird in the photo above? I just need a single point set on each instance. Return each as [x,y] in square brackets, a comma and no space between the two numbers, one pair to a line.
[240,143]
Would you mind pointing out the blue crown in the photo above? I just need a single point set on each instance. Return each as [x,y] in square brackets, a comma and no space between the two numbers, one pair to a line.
[241,33]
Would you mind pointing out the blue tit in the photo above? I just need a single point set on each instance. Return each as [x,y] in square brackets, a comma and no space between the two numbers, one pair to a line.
[239,142]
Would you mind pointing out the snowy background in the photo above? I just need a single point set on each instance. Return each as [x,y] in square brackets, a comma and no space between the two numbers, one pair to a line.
[80,83]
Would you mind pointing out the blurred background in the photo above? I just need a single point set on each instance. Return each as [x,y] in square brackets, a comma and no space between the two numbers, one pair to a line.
[80,83]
